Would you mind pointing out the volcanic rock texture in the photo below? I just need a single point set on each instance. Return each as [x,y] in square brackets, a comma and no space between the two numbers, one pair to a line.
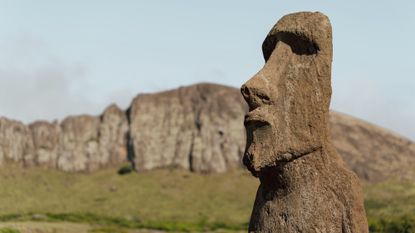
[305,186]
[78,144]
[199,127]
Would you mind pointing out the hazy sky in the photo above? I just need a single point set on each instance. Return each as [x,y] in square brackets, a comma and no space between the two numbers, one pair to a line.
[71,57]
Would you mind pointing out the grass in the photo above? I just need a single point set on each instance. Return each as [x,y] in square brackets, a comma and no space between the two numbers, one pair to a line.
[390,206]
[122,224]
[168,200]
[171,200]
[8,230]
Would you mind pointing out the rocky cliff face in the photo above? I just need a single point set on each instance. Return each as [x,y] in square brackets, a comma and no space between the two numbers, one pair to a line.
[199,128]
[16,144]
[45,138]
[87,143]
[77,144]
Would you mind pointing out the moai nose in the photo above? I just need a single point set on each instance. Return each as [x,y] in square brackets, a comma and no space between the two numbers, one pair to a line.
[255,92]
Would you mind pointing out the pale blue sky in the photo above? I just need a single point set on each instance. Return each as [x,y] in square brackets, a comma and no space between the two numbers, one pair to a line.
[71,57]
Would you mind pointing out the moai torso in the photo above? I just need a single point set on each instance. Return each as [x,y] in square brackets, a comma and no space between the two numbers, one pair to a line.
[305,186]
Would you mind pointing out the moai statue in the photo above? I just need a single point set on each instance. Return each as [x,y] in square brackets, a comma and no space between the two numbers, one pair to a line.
[305,186]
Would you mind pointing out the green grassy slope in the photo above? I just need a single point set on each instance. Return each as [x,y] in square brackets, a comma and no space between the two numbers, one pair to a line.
[171,200]
[158,199]
[390,206]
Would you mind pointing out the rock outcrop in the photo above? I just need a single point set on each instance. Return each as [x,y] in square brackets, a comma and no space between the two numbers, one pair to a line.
[305,186]
[164,125]
[45,137]
[113,137]
[16,144]
[78,144]
[88,143]
[197,128]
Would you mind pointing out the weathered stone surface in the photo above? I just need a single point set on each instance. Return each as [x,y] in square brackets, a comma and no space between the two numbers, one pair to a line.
[197,128]
[79,144]
[351,137]
[375,154]
[113,132]
[88,143]
[305,186]
[45,137]
[16,144]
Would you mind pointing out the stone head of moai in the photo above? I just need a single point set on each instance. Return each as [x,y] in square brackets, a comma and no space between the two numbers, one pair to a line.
[305,186]
[289,97]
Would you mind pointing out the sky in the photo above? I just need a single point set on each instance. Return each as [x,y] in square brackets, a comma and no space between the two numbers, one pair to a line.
[60,58]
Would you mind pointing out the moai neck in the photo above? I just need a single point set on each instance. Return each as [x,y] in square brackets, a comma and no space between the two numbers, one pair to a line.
[297,174]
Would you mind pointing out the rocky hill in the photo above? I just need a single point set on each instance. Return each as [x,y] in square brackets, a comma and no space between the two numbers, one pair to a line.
[77,144]
[199,127]
[372,152]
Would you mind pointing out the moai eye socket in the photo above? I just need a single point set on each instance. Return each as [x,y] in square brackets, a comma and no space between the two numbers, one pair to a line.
[299,44]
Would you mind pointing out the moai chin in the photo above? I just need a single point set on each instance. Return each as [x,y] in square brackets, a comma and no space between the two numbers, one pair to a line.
[305,186]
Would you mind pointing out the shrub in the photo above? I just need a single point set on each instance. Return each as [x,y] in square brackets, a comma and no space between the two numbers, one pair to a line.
[125,169]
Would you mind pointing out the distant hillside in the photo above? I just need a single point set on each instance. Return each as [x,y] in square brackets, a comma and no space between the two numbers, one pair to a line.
[198,128]
[372,152]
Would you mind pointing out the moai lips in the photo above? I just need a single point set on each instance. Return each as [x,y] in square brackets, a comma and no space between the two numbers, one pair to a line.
[288,141]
